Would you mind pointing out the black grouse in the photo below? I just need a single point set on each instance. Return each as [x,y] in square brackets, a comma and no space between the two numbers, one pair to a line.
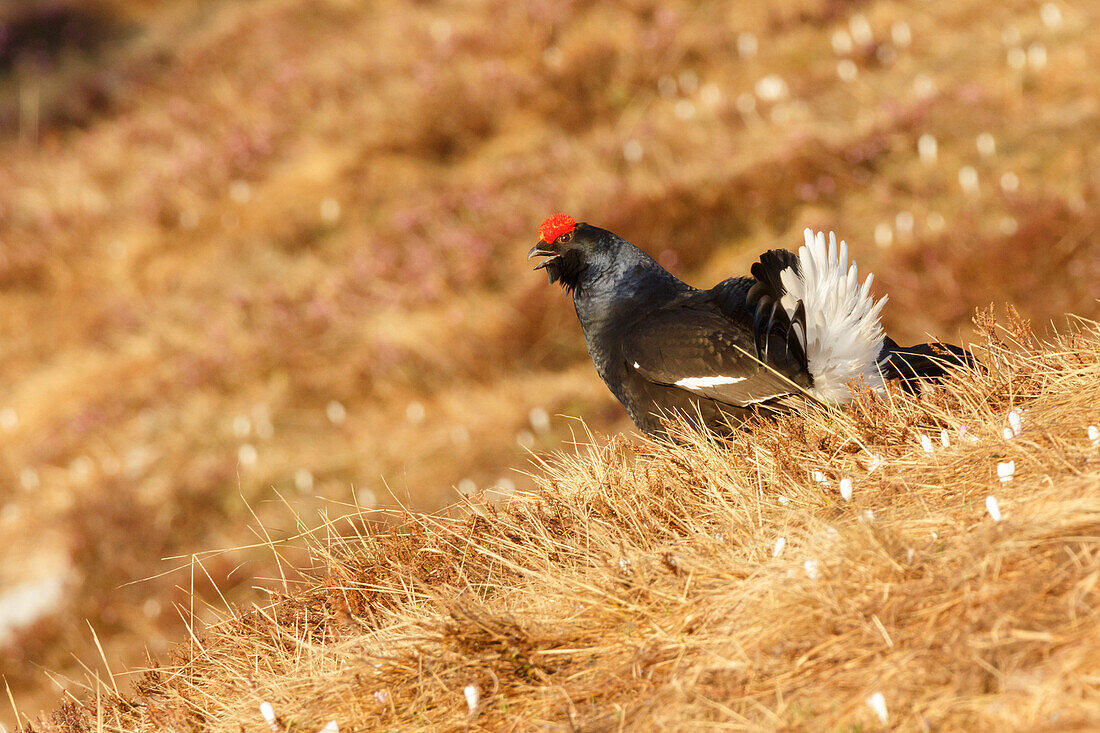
[800,328]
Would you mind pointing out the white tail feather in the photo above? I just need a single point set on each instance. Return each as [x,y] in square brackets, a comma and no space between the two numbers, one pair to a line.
[843,334]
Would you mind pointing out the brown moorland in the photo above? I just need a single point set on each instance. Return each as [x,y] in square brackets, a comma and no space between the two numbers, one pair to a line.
[270,254]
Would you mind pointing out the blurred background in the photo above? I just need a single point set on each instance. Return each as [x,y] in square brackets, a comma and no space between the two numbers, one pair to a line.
[265,259]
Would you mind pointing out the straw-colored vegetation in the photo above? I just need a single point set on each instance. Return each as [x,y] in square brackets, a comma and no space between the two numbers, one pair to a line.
[264,259]
[706,583]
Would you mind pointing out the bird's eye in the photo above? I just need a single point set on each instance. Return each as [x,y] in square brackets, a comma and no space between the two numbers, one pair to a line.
[565,237]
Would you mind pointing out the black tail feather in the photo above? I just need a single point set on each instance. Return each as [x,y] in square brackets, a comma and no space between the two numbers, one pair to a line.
[795,340]
[767,273]
[928,362]
[770,317]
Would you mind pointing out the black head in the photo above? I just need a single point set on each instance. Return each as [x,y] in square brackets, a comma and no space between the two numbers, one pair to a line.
[575,253]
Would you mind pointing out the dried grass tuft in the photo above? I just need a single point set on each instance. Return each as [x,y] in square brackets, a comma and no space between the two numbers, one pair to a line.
[636,587]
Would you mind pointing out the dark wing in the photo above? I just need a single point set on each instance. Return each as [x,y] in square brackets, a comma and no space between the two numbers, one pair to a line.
[729,295]
[700,351]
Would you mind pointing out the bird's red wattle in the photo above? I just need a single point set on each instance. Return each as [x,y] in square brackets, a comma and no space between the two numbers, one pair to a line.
[556,225]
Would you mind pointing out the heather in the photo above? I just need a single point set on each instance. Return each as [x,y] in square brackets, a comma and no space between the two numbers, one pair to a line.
[261,269]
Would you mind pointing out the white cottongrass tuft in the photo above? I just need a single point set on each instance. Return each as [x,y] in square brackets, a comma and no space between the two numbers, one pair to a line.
[884,234]
[336,412]
[904,222]
[710,94]
[440,30]
[247,455]
[968,179]
[1006,470]
[1051,15]
[779,545]
[842,42]
[29,481]
[330,727]
[877,703]
[987,145]
[1007,434]
[927,148]
[860,29]
[993,508]
[846,488]
[242,426]
[689,81]
[945,439]
[26,603]
[240,191]
[876,463]
[901,34]
[926,443]
[9,419]
[364,497]
[783,501]
[1094,436]
[539,419]
[924,86]
[684,109]
[415,412]
[330,210]
[747,45]
[80,470]
[847,70]
[772,88]
[844,335]
[303,480]
[819,477]
[812,568]
[867,516]
[268,711]
[473,698]
[1037,56]
[1015,422]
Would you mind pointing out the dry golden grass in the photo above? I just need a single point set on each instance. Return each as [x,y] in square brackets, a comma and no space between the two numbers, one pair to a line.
[638,587]
[218,218]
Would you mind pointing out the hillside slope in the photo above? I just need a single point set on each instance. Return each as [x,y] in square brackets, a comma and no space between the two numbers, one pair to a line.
[272,251]
[729,584]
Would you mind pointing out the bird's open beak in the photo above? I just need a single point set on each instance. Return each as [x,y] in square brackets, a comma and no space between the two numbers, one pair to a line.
[542,249]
